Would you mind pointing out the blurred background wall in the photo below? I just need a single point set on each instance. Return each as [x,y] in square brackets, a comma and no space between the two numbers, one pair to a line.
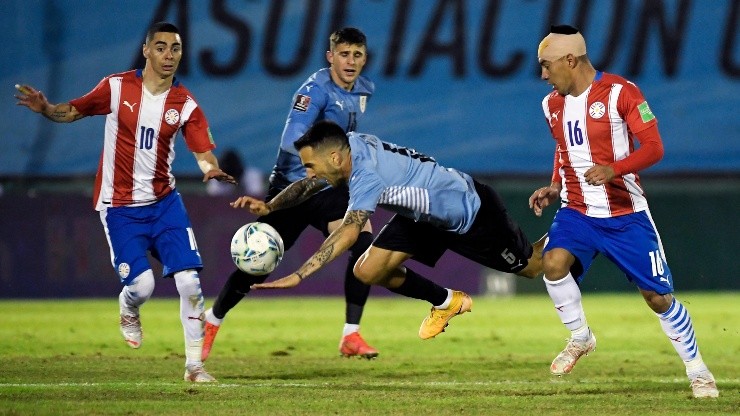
[455,79]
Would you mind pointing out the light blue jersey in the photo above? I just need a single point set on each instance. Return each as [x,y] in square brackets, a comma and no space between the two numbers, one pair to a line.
[319,98]
[410,184]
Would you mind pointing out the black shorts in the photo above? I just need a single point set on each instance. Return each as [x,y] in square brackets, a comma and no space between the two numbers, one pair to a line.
[494,240]
[318,211]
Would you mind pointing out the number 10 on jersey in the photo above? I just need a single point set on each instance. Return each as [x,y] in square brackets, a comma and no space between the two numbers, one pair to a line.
[146,138]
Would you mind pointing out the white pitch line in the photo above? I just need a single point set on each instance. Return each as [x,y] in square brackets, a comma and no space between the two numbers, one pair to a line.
[328,384]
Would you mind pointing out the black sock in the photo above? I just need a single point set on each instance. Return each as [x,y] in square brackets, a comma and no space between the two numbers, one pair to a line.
[353,313]
[233,291]
[356,292]
[418,287]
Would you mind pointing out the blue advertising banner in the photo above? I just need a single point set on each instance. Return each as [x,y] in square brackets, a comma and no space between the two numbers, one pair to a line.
[455,79]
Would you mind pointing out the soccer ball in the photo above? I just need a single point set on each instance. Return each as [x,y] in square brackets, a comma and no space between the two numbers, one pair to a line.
[256,248]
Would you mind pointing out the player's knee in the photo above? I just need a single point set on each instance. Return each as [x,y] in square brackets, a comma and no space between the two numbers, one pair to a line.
[365,274]
[657,302]
[554,266]
[554,271]
[187,282]
[143,285]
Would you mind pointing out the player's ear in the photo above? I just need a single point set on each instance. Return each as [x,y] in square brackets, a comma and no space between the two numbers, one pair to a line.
[329,56]
[145,51]
[337,158]
[572,60]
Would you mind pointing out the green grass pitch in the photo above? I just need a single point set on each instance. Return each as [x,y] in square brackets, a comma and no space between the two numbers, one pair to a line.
[278,356]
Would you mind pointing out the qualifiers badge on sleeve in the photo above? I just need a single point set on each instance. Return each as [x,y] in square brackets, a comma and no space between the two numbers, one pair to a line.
[301,102]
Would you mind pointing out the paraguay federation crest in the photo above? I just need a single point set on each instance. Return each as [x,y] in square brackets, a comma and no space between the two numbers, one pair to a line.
[597,109]
[171,116]
[123,270]
[363,103]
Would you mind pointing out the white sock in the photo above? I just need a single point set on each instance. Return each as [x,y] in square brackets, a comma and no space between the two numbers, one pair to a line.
[211,318]
[446,303]
[350,328]
[191,314]
[677,325]
[136,293]
[566,296]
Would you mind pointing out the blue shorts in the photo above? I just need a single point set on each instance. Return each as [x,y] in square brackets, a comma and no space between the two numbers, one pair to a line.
[629,241]
[162,228]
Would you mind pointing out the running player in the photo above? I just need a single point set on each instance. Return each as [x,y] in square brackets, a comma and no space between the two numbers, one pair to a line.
[594,118]
[135,193]
[337,93]
[436,208]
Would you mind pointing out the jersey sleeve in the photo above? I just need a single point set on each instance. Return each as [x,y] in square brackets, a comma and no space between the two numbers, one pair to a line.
[634,109]
[95,102]
[365,190]
[649,153]
[641,122]
[195,129]
[308,104]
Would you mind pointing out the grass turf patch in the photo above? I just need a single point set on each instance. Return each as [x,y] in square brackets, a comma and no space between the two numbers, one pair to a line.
[279,356]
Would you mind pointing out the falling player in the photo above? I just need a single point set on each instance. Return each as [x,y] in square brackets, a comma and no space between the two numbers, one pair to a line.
[437,209]
[338,93]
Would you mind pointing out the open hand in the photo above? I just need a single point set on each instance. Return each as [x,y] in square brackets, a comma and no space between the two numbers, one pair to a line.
[291,280]
[219,175]
[29,97]
[254,205]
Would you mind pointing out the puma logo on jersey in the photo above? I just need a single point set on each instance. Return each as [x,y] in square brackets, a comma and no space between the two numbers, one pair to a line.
[130,106]
[554,118]
[340,104]
[663,279]
[518,264]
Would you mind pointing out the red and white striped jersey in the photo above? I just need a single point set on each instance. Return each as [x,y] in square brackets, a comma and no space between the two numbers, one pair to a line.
[597,127]
[135,167]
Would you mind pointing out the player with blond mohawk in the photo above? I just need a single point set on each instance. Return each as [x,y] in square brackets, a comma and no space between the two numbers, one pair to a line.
[595,117]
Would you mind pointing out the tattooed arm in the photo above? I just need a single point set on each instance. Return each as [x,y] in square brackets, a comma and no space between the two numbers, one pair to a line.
[37,102]
[296,193]
[337,243]
[293,195]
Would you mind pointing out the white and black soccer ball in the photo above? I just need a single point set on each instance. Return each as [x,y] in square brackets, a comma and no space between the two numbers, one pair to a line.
[257,248]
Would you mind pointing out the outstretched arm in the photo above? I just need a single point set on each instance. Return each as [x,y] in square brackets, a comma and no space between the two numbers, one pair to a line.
[337,243]
[296,193]
[37,102]
[291,196]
